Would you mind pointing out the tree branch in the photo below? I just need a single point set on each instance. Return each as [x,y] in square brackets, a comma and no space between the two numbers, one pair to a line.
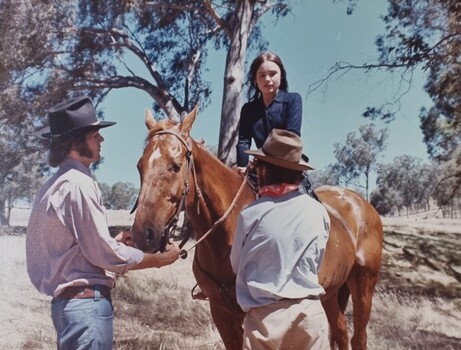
[454,189]
[345,67]
[217,18]
[265,7]
[161,96]
[121,39]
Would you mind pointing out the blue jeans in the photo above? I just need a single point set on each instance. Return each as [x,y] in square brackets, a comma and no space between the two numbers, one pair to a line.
[83,323]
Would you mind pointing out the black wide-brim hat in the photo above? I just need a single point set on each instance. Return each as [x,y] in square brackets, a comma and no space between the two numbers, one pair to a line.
[284,149]
[71,115]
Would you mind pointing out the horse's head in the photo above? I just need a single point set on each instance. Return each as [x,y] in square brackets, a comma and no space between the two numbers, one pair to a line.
[164,170]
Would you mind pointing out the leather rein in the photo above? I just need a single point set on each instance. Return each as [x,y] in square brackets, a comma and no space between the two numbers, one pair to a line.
[173,223]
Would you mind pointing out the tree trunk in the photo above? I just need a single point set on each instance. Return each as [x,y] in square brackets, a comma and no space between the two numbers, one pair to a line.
[367,185]
[233,82]
[3,214]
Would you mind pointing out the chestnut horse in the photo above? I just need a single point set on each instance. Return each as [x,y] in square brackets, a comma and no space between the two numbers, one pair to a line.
[178,173]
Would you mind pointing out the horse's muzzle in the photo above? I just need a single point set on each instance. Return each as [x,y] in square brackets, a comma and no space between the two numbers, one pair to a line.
[149,241]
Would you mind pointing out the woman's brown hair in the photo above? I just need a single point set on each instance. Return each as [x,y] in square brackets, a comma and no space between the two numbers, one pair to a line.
[253,90]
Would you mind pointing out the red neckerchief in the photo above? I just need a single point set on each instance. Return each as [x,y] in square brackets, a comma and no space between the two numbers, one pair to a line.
[277,190]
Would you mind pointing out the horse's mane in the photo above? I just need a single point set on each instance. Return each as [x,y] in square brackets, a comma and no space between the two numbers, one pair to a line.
[210,155]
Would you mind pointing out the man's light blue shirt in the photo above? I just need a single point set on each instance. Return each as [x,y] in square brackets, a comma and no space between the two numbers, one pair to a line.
[278,249]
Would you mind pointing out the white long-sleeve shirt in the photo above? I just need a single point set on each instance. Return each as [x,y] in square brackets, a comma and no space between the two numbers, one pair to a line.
[278,248]
[68,240]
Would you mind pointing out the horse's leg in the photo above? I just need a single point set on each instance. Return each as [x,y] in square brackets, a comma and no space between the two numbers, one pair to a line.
[337,321]
[361,282]
[229,326]
[343,297]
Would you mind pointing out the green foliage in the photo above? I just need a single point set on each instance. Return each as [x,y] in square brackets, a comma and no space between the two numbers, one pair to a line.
[422,35]
[328,176]
[123,195]
[385,200]
[447,191]
[80,46]
[426,34]
[22,165]
[105,194]
[357,157]
[56,49]
[120,195]
[405,183]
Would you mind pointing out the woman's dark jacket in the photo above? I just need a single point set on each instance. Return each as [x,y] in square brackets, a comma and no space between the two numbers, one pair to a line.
[256,122]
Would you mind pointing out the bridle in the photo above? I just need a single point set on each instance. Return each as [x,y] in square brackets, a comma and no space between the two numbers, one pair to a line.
[172,225]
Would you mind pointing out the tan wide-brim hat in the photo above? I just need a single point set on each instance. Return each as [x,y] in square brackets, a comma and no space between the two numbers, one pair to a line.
[284,149]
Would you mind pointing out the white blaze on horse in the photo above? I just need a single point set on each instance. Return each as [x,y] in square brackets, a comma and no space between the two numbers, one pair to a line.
[179,173]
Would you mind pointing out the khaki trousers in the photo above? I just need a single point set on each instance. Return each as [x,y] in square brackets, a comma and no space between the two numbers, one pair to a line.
[287,324]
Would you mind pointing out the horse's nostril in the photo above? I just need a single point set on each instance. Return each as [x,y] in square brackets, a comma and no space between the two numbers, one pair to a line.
[149,234]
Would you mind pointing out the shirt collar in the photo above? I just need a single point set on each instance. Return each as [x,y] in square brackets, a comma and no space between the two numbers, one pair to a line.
[70,163]
[280,96]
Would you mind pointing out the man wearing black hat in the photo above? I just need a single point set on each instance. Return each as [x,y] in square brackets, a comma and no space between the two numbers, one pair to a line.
[70,253]
[277,252]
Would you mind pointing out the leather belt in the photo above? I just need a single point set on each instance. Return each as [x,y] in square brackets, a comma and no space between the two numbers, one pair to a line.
[84,292]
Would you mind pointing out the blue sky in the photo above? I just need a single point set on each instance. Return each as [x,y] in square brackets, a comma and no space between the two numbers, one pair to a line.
[310,41]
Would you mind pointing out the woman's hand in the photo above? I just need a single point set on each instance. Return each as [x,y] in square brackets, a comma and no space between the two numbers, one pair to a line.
[242,170]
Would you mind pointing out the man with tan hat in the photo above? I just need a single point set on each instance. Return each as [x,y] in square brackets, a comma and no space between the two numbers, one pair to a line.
[69,251]
[277,253]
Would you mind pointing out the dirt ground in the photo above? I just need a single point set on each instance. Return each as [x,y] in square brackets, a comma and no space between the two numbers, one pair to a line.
[422,255]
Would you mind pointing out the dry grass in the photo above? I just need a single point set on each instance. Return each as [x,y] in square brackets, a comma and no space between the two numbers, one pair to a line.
[153,308]
[25,318]
[402,322]
[417,304]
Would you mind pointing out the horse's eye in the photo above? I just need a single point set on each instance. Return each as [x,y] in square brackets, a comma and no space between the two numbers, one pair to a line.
[176,167]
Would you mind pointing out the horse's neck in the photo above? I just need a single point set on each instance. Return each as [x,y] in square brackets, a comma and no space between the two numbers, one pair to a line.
[218,185]
[216,219]
[218,182]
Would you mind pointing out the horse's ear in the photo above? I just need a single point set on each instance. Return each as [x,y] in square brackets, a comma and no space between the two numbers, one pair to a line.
[188,120]
[149,119]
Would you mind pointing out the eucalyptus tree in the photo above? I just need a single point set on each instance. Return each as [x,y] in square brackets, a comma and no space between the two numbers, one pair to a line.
[407,181]
[386,200]
[327,176]
[447,188]
[21,163]
[358,155]
[56,48]
[122,195]
[53,49]
[423,35]
[426,34]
